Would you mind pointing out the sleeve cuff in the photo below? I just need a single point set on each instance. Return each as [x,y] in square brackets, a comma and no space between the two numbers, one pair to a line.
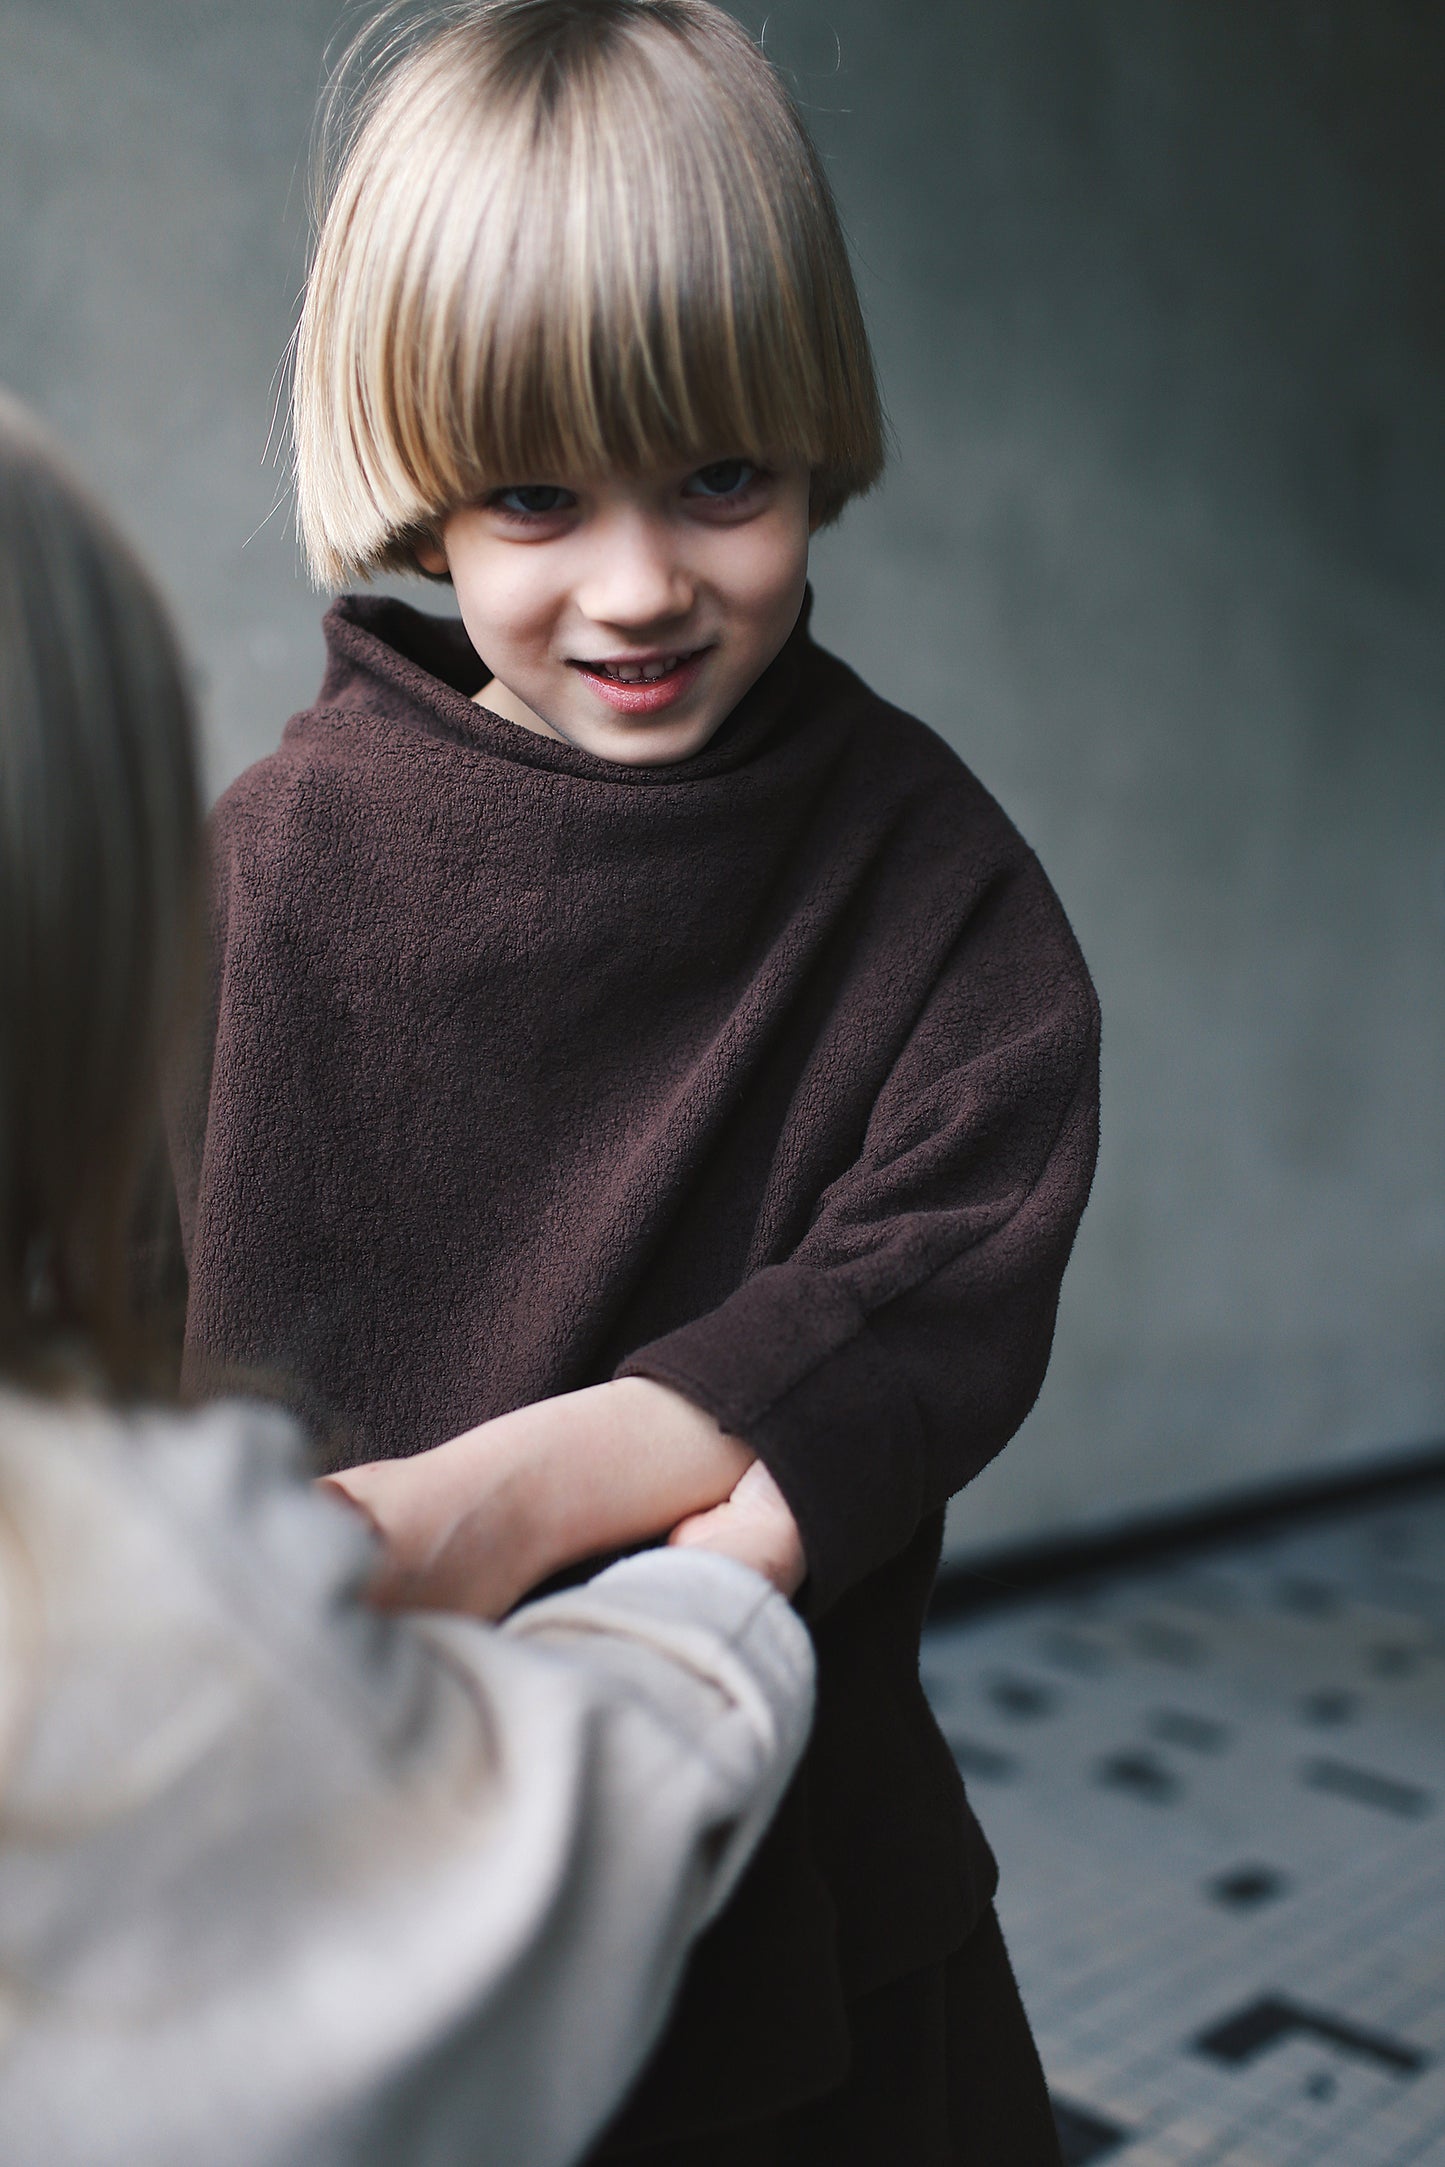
[695,1605]
[789,1365]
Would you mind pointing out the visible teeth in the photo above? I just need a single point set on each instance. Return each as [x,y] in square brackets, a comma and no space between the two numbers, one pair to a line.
[631,673]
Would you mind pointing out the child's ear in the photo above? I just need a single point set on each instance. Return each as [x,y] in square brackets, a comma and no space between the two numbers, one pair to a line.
[431,557]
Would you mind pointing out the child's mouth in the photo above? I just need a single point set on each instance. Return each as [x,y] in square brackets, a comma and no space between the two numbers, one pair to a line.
[642,688]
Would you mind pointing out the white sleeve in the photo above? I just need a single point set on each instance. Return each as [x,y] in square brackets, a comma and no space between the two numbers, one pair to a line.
[382,1890]
[675,1690]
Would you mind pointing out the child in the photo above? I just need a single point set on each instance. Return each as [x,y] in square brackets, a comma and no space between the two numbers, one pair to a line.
[641,1056]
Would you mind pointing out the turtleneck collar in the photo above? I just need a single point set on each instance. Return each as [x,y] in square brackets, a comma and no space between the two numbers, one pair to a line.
[384,656]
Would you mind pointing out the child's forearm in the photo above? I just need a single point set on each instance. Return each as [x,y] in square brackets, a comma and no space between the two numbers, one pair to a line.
[477,1521]
[597,1469]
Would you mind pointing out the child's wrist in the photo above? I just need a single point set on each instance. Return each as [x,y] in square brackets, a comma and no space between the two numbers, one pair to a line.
[670,1422]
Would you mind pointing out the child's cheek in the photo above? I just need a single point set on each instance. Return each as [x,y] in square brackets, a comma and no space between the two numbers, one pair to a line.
[505,605]
[770,570]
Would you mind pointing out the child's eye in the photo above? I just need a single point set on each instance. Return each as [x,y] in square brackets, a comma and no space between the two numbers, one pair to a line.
[724,478]
[532,500]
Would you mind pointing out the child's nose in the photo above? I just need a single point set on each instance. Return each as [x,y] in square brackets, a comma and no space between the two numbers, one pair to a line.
[638,578]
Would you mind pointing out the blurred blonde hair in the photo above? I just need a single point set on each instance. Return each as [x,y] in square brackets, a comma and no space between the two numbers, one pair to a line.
[99,846]
[566,237]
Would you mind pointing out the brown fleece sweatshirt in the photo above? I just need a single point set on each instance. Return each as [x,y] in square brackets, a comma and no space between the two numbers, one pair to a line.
[772,1075]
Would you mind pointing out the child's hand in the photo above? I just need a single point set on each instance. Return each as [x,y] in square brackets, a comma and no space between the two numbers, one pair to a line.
[754,1526]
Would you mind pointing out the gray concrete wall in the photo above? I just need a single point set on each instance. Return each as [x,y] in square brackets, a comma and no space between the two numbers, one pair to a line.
[1156,291]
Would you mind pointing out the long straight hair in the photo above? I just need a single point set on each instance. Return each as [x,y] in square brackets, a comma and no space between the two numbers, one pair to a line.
[99,847]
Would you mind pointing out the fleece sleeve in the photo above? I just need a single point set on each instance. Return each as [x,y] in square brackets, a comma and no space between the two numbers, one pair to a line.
[884,1362]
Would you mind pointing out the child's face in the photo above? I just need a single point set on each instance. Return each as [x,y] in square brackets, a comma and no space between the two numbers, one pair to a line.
[629,616]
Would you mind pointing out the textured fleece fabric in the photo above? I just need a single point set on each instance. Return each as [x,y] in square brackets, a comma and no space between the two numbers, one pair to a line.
[772,1075]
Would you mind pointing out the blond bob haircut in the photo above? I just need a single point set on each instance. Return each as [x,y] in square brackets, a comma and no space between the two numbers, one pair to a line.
[99,856]
[560,238]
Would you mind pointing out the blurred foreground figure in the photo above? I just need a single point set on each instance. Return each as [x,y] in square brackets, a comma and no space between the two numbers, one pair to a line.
[281,1880]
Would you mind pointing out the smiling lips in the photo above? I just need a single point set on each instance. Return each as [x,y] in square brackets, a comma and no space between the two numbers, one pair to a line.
[644,687]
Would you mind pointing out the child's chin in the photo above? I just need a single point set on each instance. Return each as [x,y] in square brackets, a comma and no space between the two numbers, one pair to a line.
[650,744]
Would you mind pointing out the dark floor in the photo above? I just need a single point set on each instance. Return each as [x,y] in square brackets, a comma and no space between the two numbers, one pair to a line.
[1217,1793]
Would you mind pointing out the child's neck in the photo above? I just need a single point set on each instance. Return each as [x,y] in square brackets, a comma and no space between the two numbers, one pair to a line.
[499,699]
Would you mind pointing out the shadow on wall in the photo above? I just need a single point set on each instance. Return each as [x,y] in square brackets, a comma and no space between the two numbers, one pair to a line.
[1156,296]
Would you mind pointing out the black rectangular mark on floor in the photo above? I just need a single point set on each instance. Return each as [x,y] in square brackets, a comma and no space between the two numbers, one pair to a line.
[1085,2136]
[974,1758]
[1247,1888]
[1197,1734]
[1307,1598]
[1241,2037]
[1330,1707]
[1021,1698]
[1410,1801]
[1394,1659]
[1144,1774]
[1167,1643]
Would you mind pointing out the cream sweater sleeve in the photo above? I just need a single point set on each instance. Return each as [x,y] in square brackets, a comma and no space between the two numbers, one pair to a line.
[286,1884]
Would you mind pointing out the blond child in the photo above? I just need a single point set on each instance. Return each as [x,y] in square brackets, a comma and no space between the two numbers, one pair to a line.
[641,1057]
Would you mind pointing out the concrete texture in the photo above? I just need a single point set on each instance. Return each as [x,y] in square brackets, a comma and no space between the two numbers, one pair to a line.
[1156,295]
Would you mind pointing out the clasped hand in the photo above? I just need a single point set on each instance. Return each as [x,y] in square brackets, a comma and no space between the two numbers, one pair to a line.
[477,1522]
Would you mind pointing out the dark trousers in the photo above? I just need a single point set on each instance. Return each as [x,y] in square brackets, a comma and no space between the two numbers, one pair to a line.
[944,2073]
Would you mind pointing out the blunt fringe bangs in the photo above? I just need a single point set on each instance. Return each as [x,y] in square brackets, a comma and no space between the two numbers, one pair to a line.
[99,844]
[567,237]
